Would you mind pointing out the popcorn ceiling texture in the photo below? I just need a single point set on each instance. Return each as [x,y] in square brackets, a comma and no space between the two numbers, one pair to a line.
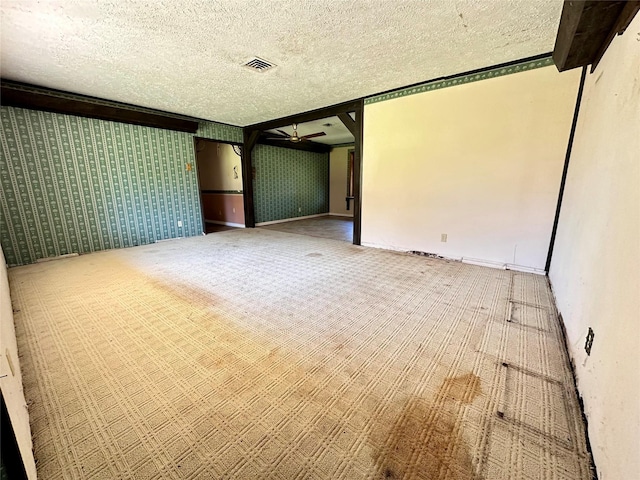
[185,57]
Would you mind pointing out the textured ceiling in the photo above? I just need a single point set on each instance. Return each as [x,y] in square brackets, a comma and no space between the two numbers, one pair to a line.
[185,56]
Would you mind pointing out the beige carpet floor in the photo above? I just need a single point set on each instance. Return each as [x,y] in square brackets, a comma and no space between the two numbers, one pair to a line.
[260,354]
[329,226]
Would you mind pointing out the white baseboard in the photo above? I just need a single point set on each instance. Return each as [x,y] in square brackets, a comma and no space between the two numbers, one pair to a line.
[168,239]
[284,220]
[471,261]
[228,224]
[524,269]
[341,215]
[59,257]
[503,266]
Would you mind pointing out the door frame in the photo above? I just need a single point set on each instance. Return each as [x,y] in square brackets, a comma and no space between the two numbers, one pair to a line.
[195,156]
[254,134]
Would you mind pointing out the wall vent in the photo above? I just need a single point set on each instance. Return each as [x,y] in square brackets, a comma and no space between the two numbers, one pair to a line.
[259,65]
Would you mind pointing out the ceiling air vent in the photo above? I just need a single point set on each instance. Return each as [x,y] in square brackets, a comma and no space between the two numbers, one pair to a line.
[259,65]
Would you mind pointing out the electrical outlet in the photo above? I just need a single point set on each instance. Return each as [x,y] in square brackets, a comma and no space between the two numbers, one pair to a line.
[179,223]
[443,237]
[589,342]
[299,209]
[234,209]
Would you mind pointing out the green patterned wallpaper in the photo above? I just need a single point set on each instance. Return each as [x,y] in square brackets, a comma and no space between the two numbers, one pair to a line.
[286,180]
[71,184]
[219,131]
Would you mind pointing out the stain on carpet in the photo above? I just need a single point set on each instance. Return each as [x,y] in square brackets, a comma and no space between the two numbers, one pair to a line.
[425,437]
[423,441]
[464,388]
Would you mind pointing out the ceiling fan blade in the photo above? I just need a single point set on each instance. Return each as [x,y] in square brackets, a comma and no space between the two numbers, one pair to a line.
[282,139]
[284,133]
[275,135]
[313,135]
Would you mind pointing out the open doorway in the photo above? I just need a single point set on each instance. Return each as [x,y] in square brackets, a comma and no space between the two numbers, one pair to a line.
[271,133]
[324,179]
[220,182]
[341,204]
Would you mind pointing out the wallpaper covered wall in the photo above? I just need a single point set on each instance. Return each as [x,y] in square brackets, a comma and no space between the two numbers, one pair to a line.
[289,183]
[219,131]
[71,184]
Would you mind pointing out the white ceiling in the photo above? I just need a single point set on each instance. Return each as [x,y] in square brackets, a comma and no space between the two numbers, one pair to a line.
[185,56]
[335,134]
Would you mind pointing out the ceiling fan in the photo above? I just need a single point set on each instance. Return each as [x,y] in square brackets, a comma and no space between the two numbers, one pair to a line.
[295,137]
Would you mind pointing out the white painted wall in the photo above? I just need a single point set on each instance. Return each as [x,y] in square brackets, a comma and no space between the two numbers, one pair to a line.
[595,269]
[216,162]
[11,381]
[480,162]
[338,170]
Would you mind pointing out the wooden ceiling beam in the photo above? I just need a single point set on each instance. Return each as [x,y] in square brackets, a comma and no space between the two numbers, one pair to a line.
[316,114]
[624,19]
[348,122]
[586,29]
[251,138]
[16,97]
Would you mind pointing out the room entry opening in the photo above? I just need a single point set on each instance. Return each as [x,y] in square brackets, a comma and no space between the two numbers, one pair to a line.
[350,196]
[220,182]
[334,130]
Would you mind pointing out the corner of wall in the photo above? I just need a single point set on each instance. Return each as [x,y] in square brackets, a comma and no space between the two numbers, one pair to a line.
[11,380]
[595,268]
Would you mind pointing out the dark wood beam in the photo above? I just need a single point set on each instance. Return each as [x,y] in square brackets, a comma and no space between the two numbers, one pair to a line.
[349,122]
[627,15]
[624,19]
[357,176]
[316,114]
[15,97]
[250,137]
[585,30]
